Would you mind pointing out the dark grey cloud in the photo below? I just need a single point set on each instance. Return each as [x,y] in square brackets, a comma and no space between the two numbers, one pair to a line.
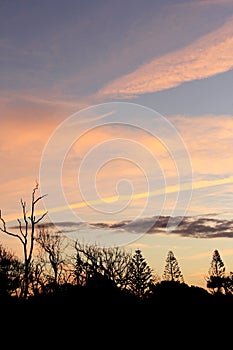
[195,227]
[205,228]
[209,226]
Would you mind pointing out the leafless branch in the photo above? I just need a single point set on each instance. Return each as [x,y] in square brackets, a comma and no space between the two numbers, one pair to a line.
[40,218]
[4,229]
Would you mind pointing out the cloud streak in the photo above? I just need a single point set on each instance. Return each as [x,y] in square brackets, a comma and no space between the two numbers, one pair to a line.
[193,227]
[207,56]
[112,199]
[199,227]
[211,162]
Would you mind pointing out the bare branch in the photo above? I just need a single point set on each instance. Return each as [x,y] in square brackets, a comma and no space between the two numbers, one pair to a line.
[35,189]
[20,227]
[23,204]
[40,218]
[4,229]
[25,235]
[39,198]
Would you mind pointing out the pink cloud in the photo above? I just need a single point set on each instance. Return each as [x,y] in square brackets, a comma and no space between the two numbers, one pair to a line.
[207,56]
[208,140]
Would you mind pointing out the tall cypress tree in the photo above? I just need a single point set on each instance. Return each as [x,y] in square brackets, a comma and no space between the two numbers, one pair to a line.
[172,270]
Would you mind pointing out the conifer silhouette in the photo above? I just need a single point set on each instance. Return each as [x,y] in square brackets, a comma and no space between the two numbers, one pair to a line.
[216,274]
[140,275]
[172,270]
[217,267]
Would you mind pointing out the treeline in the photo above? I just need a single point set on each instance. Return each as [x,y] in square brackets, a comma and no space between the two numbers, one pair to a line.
[54,272]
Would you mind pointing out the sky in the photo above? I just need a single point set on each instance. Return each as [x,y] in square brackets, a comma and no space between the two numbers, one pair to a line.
[122,111]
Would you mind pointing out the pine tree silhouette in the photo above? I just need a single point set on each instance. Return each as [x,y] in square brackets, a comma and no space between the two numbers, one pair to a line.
[140,275]
[217,267]
[172,270]
[216,274]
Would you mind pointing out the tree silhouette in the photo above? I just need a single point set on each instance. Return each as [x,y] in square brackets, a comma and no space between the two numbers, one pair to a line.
[140,275]
[216,274]
[111,262]
[172,270]
[228,284]
[26,235]
[10,273]
[53,246]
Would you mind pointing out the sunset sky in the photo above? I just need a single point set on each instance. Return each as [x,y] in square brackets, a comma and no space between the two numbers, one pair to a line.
[123,111]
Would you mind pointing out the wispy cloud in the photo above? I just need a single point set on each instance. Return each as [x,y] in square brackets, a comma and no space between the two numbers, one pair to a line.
[207,56]
[209,141]
[211,163]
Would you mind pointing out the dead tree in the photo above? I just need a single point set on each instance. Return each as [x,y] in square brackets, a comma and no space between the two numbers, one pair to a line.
[52,245]
[26,235]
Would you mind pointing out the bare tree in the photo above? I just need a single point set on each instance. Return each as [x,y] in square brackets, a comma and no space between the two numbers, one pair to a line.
[112,263]
[26,235]
[53,245]
[37,278]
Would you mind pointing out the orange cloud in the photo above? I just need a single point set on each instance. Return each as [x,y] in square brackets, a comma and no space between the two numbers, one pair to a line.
[209,142]
[26,125]
[207,56]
